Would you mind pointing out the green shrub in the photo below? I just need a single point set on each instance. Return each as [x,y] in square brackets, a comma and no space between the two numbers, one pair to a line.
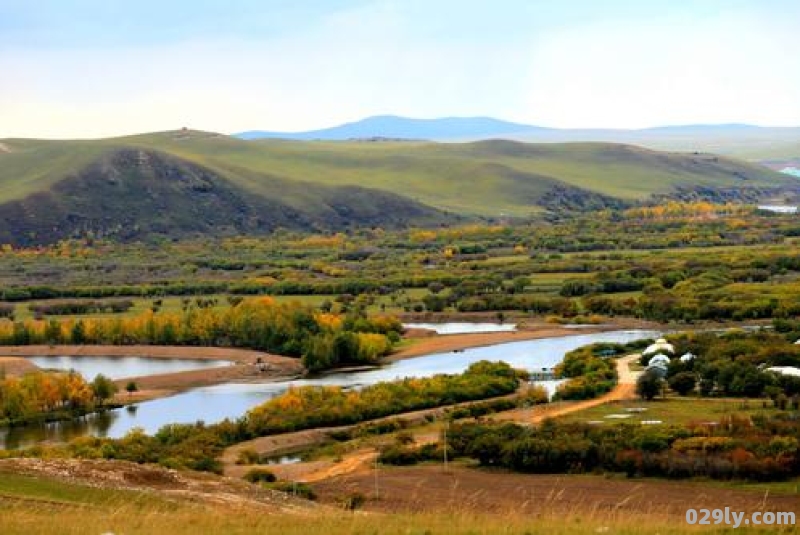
[260,475]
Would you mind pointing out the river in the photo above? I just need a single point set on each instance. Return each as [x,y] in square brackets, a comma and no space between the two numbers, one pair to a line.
[215,403]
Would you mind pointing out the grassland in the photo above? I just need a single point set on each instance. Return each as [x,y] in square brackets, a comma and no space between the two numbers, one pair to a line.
[673,410]
[40,505]
[486,178]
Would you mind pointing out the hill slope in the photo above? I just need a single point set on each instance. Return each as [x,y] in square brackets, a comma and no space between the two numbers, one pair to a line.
[176,183]
[487,178]
[131,193]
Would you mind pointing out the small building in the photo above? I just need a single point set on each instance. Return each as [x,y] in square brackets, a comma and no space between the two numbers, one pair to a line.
[785,370]
[658,369]
[687,357]
[659,360]
[660,346]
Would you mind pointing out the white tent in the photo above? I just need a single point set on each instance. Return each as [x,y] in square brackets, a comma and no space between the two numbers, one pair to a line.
[659,360]
[659,368]
[660,346]
[687,357]
[785,370]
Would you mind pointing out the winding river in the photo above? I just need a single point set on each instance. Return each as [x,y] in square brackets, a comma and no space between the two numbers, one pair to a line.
[215,403]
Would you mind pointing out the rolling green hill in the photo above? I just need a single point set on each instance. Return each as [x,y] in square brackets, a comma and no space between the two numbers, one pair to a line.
[181,182]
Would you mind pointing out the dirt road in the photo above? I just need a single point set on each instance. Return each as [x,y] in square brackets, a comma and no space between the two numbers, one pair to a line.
[361,460]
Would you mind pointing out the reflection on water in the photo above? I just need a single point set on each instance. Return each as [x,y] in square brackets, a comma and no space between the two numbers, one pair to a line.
[463,327]
[121,367]
[53,432]
[778,208]
[215,403]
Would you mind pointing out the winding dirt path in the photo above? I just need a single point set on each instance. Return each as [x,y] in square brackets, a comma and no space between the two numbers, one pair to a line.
[625,389]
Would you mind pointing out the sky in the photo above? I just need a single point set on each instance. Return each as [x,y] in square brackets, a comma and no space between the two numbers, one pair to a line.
[96,68]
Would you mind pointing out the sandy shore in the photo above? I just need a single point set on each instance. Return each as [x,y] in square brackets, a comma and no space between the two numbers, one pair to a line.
[425,342]
[153,352]
[16,365]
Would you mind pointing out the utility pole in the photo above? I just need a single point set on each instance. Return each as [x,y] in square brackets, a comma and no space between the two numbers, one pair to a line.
[446,425]
[377,491]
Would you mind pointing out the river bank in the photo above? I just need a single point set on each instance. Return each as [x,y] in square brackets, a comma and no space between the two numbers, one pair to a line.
[421,342]
[246,366]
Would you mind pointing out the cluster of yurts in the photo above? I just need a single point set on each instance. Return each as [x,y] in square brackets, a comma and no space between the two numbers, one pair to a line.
[663,352]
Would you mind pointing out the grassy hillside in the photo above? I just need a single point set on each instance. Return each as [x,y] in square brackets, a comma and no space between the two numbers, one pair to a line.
[486,177]
[298,183]
[107,189]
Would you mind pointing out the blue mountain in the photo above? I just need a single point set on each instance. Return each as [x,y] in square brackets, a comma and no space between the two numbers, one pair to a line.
[395,127]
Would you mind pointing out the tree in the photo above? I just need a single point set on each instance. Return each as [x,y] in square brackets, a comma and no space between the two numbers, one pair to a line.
[648,385]
[683,383]
[103,388]
[434,303]
[78,333]
[131,387]
[435,287]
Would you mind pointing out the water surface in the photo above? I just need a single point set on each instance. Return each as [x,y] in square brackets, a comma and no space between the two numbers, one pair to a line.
[779,209]
[215,403]
[122,367]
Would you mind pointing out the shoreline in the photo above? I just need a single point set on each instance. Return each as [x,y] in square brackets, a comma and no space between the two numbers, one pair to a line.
[247,365]
[425,342]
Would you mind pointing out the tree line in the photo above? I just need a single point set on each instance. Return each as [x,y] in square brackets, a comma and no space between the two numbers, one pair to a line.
[764,448]
[291,329]
[51,395]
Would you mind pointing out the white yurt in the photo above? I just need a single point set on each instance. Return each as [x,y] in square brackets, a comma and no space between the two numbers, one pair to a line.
[659,369]
[660,346]
[785,370]
[659,360]
[687,357]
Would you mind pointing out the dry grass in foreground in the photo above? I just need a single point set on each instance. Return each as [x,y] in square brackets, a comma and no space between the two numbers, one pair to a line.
[68,498]
[187,519]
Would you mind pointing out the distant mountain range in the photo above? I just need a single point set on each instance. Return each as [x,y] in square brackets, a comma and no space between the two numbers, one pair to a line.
[742,140]
[394,127]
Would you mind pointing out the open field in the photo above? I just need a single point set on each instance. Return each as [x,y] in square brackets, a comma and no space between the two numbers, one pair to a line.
[673,410]
[432,488]
[46,497]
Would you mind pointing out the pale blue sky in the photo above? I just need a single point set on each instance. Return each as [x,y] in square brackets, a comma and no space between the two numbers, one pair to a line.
[86,68]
